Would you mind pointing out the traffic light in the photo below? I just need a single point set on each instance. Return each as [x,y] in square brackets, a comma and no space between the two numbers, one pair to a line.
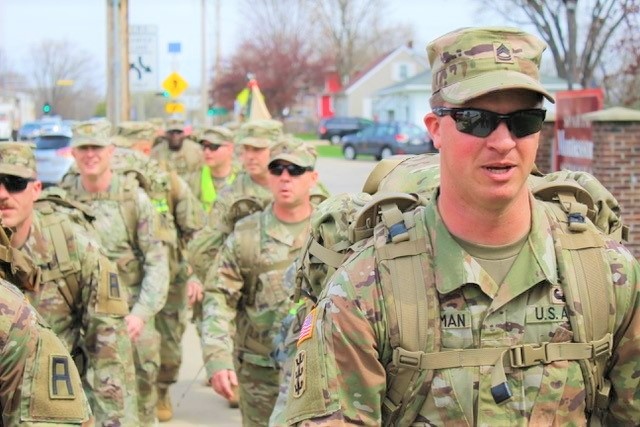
[165,93]
[46,108]
[210,111]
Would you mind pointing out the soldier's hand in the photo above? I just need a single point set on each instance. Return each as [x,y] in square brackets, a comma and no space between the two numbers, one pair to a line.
[222,382]
[134,326]
[195,291]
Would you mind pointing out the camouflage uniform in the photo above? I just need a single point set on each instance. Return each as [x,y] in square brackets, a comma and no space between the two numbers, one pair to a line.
[205,244]
[343,356]
[186,160]
[245,288]
[204,186]
[129,230]
[95,325]
[30,393]
[176,203]
[91,323]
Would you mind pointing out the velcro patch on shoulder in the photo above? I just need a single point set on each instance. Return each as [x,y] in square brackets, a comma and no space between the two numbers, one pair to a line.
[306,331]
[112,296]
[56,389]
[299,381]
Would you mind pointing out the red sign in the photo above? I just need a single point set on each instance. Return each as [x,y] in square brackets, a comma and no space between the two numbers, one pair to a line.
[573,144]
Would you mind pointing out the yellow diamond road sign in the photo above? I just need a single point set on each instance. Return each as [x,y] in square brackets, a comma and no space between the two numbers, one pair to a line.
[174,84]
[174,107]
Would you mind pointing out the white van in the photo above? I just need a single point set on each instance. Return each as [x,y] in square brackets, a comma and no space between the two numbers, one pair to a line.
[6,121]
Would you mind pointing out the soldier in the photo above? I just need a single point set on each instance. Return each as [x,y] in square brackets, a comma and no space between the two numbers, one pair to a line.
[219,170]
[79,295]
[39,383]
[182,217]
[245,287]
[184,155]
[499,334]
[255,138]
[128,226]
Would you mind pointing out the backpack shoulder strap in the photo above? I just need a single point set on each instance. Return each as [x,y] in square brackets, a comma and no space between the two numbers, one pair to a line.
[411,299]
[586,281]
[59,232]
[248,232]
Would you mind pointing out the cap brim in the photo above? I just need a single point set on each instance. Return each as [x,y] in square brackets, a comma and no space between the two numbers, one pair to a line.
[84,142]
[291,159]
[255,142]
[464,91]
[16,170]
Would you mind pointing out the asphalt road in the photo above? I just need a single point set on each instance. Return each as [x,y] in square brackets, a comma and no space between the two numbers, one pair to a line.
[198,405]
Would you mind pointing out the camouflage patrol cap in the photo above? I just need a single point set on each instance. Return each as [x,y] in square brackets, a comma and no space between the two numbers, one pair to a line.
[471,62]
[18,159]
[175,124]
[128,133]
[92,132]
[259,133]
[294,151]
[215,135]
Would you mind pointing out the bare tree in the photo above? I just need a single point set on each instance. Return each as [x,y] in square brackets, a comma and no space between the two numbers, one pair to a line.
[65,77]
[278,48]
[579,33]
[353,31]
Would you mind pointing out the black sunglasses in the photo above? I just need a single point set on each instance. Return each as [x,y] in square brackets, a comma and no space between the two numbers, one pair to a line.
[481,123]
[293,170]
[14,184]
[212,147]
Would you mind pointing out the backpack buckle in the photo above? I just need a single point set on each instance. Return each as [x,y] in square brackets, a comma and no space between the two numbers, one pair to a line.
[527,355]
[407,359]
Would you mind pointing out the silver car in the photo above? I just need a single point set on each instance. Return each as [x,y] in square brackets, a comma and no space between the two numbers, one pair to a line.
[53,154]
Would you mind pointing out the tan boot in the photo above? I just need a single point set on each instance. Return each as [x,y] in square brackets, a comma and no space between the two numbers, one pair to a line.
[164,410]
[233,402]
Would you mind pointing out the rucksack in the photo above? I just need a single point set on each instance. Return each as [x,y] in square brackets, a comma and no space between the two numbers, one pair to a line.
[57,213]
[139,172]
[571,205]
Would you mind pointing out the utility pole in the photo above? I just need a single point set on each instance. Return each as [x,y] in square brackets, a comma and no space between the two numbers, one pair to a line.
[204,93]
[117,61]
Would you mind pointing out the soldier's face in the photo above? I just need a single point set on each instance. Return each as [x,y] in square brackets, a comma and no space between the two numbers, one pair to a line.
[290,191]
[92,160]
[16,207]
[255,160]
[175,138]
[217,154]
[489,172]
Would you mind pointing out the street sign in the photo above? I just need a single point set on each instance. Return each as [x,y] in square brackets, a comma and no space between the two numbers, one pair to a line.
[143,58]
[174,107]
[175,84]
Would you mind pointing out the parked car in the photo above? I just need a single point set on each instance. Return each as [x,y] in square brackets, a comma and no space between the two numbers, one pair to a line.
[53,155]
[383,140]
[29,131]
[334,128]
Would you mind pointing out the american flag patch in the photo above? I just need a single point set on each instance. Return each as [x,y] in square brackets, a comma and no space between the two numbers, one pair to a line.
[306,331]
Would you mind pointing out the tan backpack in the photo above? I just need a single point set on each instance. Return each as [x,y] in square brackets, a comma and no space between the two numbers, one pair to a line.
[413,291]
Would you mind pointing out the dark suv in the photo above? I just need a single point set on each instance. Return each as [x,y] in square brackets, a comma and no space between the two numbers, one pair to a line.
[334,128]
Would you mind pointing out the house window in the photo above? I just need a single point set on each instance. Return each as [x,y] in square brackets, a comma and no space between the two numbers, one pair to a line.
[403,71]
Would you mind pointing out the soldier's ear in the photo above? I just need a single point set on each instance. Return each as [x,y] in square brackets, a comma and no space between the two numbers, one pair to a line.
[433,126]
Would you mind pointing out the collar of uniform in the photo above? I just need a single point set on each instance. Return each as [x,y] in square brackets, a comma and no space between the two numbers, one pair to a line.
[275,229]
[455,267]
[37,246]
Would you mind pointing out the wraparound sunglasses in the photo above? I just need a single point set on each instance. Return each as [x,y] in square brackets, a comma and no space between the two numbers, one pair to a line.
[481,123]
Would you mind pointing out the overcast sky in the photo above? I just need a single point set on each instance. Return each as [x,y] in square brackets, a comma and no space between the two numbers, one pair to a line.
[24,23]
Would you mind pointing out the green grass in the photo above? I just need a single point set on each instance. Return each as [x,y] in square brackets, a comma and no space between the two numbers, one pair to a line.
[329,151]
[309,136]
